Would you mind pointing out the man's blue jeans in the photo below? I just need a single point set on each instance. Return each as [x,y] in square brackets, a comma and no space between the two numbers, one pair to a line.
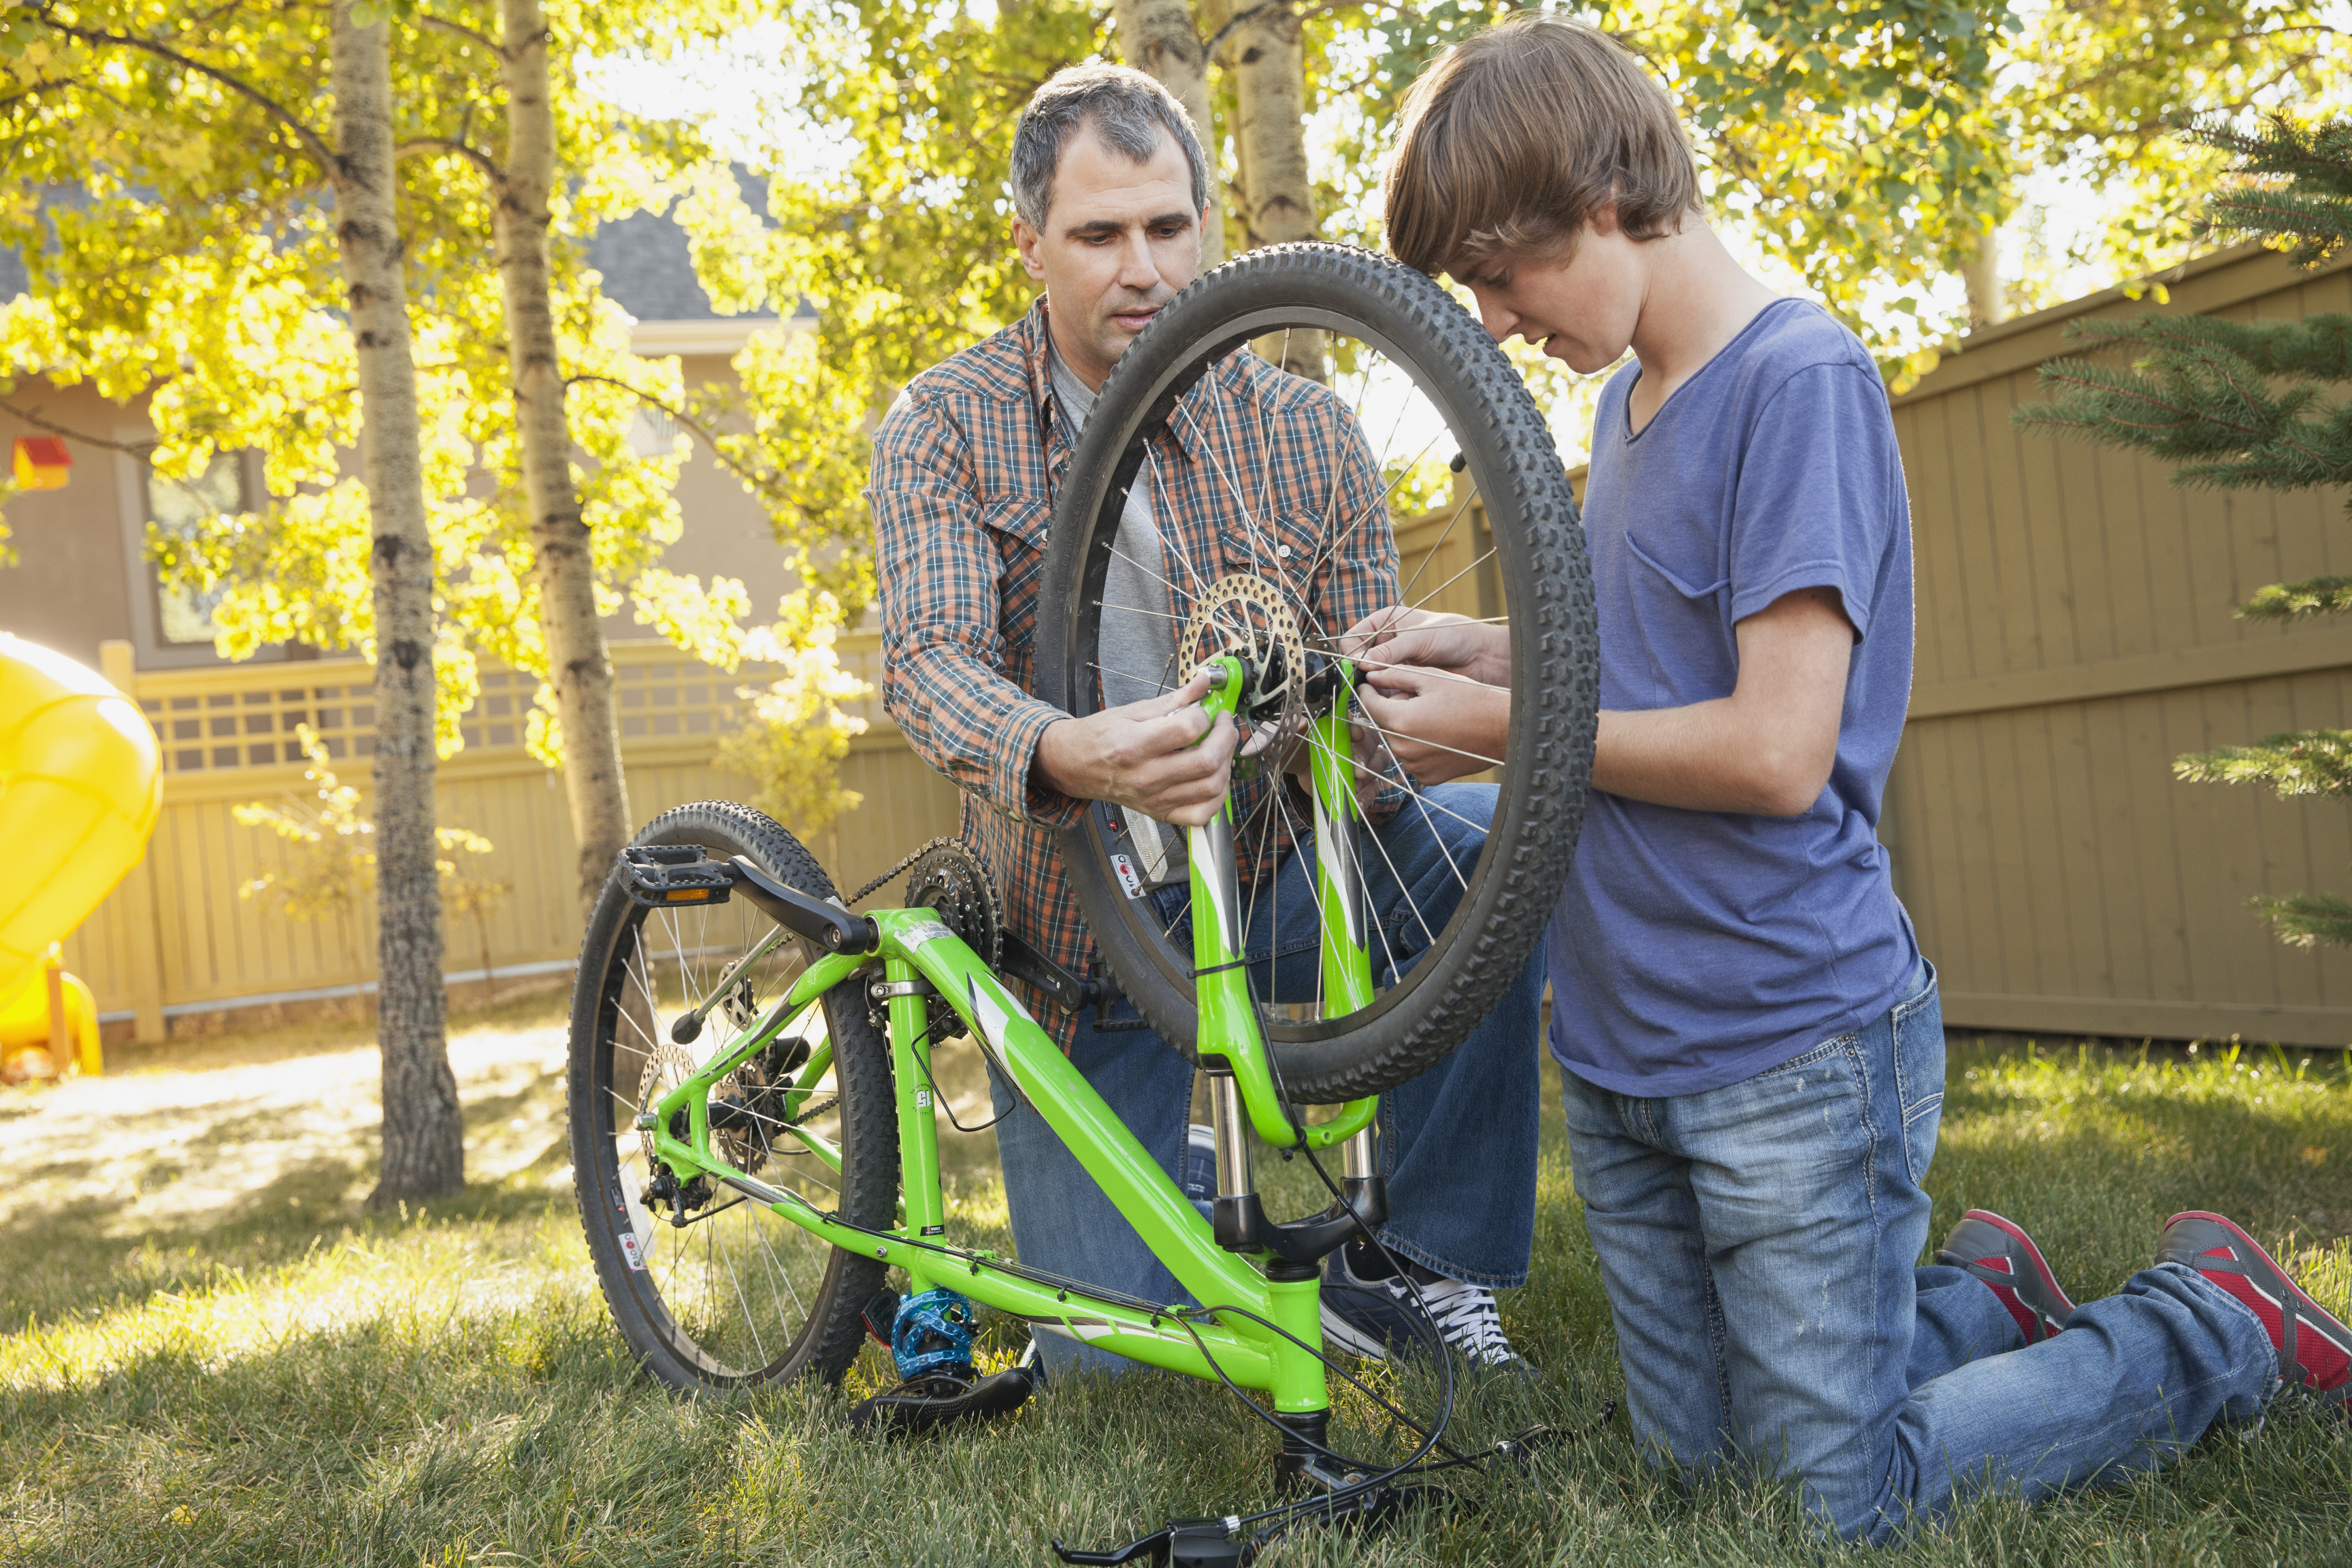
[1758,1244]
[1457,1142]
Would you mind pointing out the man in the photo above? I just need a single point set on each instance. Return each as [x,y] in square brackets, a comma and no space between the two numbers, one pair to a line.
[1111,190]
[1751,1043]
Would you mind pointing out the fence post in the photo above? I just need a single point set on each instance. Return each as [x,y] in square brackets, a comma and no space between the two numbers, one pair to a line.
[118,664]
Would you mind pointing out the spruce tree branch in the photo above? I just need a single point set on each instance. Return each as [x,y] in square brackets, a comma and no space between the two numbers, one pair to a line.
[2307,920]
[2090,395]
[2293,600]
[310,139]
[2299,764]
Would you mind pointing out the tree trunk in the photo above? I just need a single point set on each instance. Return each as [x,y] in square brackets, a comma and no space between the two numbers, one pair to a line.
[1269,57]
[1988,301]
[1270,92]
[578,666]
[1158,37]
[424,1138]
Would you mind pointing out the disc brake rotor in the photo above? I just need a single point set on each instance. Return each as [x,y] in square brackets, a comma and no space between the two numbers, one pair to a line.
[1245,617]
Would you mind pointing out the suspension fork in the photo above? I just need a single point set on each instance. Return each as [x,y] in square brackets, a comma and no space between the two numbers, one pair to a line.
[1346,956]
[1231,1045]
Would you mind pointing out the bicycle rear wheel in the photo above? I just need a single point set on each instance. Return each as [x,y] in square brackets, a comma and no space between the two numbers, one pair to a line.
[738,1296]
[1437,486]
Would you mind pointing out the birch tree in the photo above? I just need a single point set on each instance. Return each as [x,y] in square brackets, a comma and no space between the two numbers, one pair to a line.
[423,1136]
[579,666]
[524,362]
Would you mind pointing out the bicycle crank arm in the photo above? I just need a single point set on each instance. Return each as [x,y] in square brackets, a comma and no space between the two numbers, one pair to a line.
[1023,961]
[684,874]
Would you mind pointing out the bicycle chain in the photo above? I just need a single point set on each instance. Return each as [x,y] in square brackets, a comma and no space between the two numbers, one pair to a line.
[893,873]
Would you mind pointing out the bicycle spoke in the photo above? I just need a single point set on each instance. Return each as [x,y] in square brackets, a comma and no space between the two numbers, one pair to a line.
[1404,594]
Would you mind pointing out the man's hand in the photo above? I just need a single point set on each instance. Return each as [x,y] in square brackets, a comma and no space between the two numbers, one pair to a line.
[1397,636]
[1142,755]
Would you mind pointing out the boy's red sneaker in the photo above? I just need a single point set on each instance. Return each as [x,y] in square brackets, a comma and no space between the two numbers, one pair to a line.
[1999,1253]
[2314,1350]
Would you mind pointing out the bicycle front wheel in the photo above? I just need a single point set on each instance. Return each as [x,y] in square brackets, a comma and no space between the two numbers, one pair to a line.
[1385,453]
[735,1296]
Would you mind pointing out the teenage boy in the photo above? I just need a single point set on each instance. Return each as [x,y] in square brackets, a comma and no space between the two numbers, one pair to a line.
[1110,191]
[1751,1042]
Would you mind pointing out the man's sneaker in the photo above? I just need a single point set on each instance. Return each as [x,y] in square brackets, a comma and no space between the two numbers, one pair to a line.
[2315,1351]
[1378,1316]
[2001,1255]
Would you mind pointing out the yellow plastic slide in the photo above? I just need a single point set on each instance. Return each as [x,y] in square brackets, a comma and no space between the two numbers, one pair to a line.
[80,782]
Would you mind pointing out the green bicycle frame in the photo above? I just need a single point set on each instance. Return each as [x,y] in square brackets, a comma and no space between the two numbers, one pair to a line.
[915,945]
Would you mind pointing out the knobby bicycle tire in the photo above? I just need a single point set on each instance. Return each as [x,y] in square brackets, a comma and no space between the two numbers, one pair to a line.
[617,1006]
[1509,454]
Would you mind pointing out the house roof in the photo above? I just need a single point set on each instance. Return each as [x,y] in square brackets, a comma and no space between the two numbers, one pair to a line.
[649,271]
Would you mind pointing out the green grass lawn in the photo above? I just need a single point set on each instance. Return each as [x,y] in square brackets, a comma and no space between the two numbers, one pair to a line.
[209,1353]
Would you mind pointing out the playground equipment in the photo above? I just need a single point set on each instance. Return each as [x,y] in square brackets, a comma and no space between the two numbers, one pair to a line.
[81,785]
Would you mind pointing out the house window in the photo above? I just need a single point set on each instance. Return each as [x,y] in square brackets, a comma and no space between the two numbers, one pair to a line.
[180,510]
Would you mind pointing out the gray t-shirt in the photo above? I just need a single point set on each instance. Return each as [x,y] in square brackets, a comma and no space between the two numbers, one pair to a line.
[1137,645]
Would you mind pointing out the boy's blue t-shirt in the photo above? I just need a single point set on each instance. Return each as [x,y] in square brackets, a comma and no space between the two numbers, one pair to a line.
[1695,949]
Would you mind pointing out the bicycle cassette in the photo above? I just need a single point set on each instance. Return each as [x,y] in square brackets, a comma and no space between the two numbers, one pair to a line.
[947,876]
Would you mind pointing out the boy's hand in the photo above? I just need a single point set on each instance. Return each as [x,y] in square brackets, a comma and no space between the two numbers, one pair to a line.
[1396,635]
[1142,755]
[1436,726]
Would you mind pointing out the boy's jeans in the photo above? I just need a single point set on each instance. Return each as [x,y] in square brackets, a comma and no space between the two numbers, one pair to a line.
[1457,1142]
[1757,1243]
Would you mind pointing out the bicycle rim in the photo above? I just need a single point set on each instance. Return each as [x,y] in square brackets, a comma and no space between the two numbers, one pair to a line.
[1440,483]
[737,1296]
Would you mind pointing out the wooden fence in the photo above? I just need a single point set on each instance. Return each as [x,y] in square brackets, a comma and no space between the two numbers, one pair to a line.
[2074,635]
[177,938]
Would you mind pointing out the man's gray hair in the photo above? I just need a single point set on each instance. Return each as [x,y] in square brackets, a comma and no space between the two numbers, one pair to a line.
[1124,107]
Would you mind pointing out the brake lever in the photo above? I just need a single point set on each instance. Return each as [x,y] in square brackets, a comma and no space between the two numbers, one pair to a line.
[1181,1543]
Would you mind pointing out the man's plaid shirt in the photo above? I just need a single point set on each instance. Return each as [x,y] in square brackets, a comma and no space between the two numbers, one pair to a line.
[963,482]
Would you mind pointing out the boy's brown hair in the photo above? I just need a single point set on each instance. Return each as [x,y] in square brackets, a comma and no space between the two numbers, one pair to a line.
[1516,136]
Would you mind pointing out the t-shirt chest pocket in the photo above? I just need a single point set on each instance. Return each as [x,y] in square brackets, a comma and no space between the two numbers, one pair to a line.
[1677,619]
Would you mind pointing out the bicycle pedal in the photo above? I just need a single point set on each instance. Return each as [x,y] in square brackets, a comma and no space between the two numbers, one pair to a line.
[940,1399]
[665,875]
